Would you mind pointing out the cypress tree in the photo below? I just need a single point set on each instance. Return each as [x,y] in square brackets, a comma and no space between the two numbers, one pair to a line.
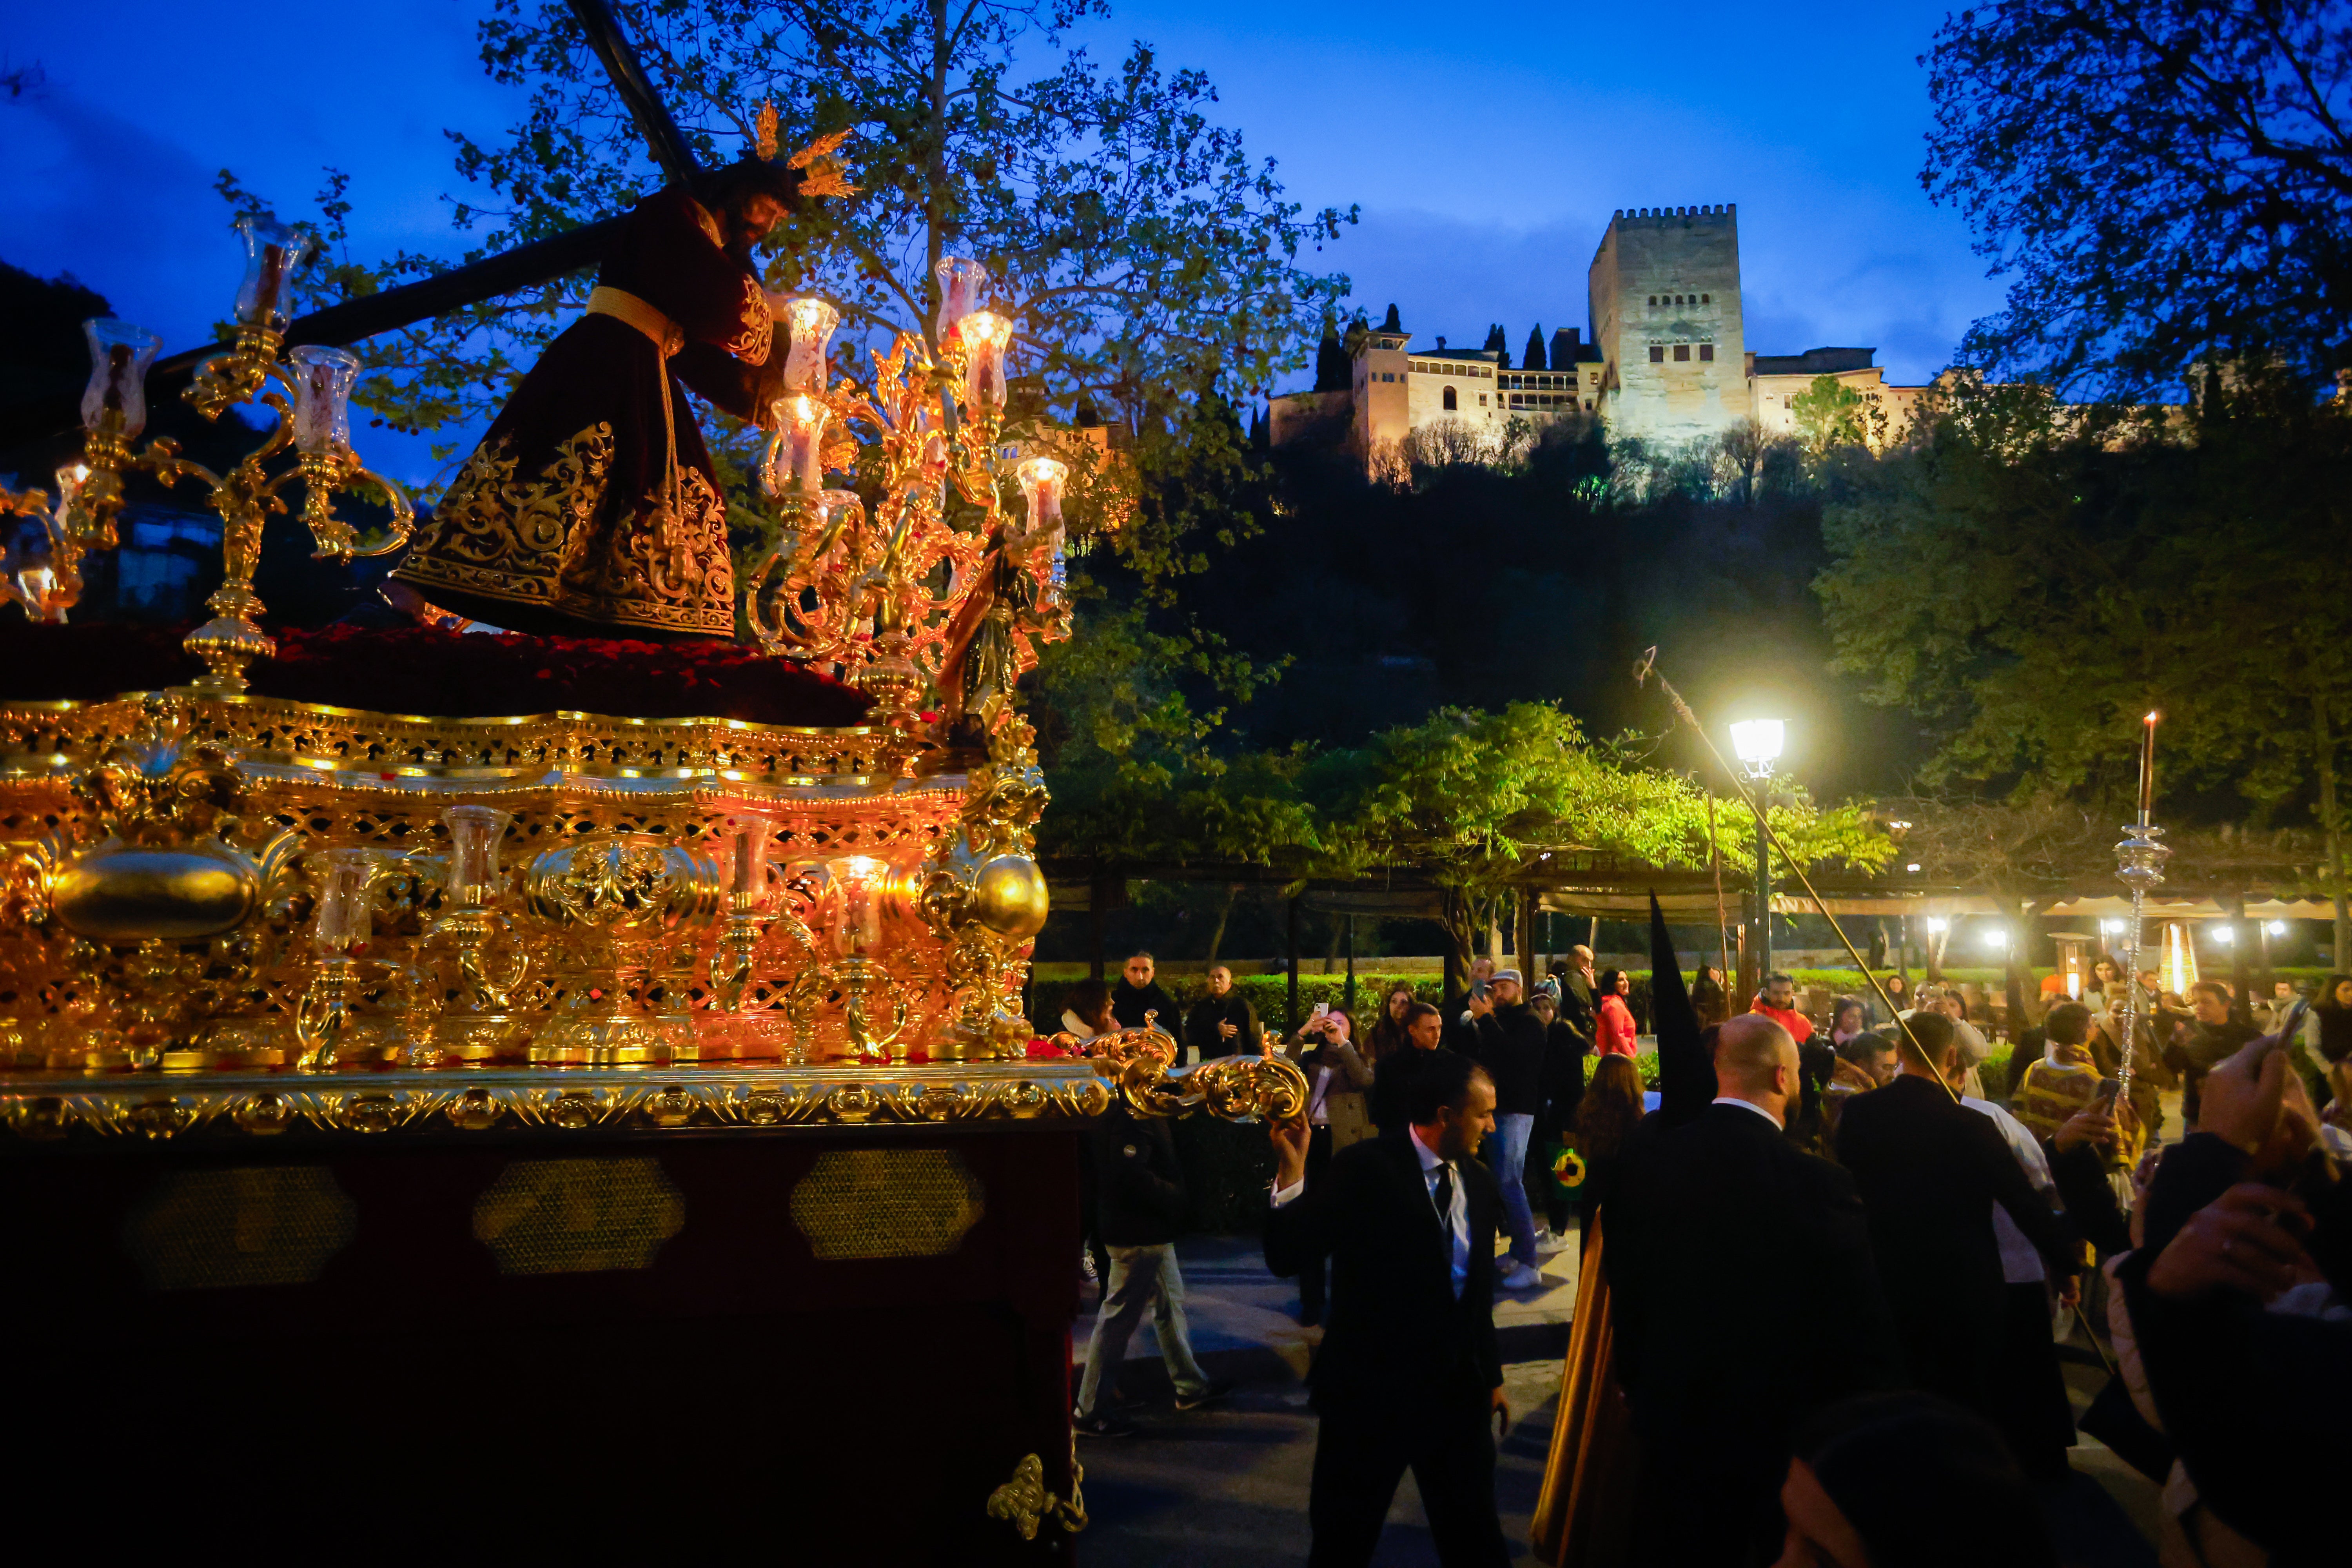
[1499,345]
[1534,357]
[1392,324]
[1332,372]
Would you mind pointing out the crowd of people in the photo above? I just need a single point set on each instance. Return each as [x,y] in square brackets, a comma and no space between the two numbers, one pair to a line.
[1839,1261]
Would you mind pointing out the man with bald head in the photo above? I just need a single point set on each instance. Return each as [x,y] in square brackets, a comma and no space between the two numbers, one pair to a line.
[1744,1297]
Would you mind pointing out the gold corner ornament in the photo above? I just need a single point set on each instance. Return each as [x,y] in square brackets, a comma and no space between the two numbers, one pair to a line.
[1268,1087]
[1025,1504]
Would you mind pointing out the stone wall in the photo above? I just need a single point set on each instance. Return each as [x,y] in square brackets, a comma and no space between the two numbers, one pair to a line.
[1665,289]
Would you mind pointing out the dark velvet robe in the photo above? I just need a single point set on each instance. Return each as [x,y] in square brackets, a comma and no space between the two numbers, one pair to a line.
[562,521]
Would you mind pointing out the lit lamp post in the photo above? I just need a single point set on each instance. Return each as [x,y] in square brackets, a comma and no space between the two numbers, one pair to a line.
[1757,743]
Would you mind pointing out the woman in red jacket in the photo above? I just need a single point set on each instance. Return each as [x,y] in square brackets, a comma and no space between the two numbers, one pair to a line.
[1613,1031]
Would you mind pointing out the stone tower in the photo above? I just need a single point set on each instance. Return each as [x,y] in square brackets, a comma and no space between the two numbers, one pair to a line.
[1664,286]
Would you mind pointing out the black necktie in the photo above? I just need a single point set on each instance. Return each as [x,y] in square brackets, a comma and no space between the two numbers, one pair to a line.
[1444,1201]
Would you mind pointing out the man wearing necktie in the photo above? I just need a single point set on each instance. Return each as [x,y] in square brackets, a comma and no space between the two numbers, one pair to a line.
[1408,1376]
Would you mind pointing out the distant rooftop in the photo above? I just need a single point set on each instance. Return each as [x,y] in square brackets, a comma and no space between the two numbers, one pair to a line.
[1815,362]
[1486,354]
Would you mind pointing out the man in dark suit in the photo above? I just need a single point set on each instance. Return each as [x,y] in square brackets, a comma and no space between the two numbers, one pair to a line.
[1408,1376]
[1744,1300]
[1139,995]
[1424,1029]
[1930,1170]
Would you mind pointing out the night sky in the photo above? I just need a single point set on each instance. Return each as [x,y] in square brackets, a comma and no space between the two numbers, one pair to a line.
[1487,147]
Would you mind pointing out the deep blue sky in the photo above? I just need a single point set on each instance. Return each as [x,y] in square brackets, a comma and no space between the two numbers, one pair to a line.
[1486,143]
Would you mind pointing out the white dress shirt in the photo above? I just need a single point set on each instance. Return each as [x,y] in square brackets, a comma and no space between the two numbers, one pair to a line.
[1457,1215]
[1751,1105]
[2020,1260]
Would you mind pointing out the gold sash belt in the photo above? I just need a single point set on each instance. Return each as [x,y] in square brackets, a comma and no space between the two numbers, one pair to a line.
[623,306]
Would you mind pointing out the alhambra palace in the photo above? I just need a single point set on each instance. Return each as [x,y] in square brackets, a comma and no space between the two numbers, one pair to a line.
[1667,363]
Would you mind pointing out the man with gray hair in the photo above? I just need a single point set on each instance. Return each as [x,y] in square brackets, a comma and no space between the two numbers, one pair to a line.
[1745,1299]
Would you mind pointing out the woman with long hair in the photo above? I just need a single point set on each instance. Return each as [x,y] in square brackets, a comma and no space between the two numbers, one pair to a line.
[1613,1030]
[1707,995]
[1849,1018]
[1388,1035]
[1605,1118]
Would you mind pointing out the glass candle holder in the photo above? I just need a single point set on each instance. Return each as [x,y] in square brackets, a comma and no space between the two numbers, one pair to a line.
[856,885]
[962,281]
[323,398]
[1040,486]
[985,334]
[340,926]
[119,354]
[809,324]
[475,832]
[796,459]
[272,251]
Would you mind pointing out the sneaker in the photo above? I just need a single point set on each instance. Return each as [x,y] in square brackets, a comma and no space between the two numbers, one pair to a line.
[1547,1245]
[1104,1425]
[1522,1277]
[1213,1394]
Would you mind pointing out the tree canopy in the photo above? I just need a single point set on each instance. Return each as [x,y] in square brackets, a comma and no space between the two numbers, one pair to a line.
[1149,259]
[2165,182]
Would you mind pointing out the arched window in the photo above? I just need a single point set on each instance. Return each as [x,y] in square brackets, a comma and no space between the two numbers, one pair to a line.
[1449,399]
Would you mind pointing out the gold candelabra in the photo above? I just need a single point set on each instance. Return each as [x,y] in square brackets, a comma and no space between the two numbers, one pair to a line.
[309,389]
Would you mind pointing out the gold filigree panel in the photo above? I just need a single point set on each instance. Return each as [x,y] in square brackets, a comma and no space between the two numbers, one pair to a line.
[578,1216]
[860,1204]
[253,1224]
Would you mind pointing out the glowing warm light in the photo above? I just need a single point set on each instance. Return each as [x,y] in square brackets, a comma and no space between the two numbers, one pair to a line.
[2225,935]
[1996,937]
[2113,927]
[2179,969]
[1937,923]
[2277,927]
[1913,866]
[1759,740]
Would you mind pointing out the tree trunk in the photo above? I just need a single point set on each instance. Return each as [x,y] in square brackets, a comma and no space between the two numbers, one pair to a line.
[2241,1005]
[1936,940]
[1292,968]
[2013,976]
[1225,913]
[2331,821]
[1331,952]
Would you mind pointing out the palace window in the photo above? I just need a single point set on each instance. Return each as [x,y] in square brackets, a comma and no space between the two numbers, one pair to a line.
[1702,299]
[1681,353]
[1707,353]
[1657,353]
[1449,400]
[1653,301]
[1481,400]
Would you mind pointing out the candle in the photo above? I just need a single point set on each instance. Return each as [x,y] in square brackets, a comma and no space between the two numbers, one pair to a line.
[2146,767]
[805,433]
[1040,486]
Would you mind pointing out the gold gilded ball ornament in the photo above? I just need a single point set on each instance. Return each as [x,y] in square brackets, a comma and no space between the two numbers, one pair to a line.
[116,893]
[1009,896]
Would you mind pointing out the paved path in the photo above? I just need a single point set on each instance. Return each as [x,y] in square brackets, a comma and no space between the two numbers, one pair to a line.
[1229,1484]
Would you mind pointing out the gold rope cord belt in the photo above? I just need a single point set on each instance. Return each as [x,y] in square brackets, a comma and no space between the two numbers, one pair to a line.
[623,306]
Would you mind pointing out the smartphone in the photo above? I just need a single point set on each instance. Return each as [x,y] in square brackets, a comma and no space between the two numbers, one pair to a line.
[1321,1009]
[2108,1088]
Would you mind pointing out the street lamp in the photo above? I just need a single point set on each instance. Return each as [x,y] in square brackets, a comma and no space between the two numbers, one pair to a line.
[1757,743]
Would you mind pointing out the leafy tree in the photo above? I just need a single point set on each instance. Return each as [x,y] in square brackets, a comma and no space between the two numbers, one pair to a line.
[1829,414]
[1151,261]
[2165,182]
[1473,798]
[1533,359]
[2028,579]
